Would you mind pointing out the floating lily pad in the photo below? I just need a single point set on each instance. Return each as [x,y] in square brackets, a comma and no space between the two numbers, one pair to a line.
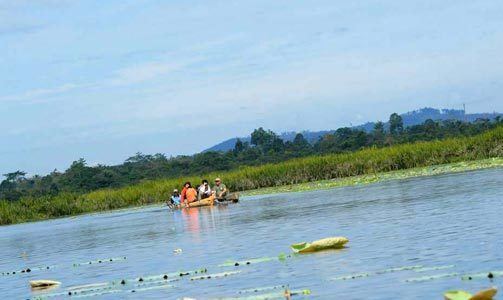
[487,294]
[457,295]
[319,245]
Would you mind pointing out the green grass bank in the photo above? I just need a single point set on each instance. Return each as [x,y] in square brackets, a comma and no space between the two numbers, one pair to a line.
[368,165]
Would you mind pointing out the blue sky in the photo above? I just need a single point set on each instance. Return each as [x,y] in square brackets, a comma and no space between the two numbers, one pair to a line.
[105,79]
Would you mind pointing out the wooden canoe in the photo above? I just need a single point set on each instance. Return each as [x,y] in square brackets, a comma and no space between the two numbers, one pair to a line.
[204,202]
[232,197]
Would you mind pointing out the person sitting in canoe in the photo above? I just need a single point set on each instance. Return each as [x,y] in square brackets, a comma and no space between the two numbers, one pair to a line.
[220,189]
[174,201]
[189,194]
[204,190]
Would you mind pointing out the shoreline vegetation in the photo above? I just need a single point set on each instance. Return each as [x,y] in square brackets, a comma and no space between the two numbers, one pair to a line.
[434,170]
[314,172]
[261,147]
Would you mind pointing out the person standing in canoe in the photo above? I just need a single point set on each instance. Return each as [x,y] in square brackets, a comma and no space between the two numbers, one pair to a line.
[204,190]
[188,195]
[220,189]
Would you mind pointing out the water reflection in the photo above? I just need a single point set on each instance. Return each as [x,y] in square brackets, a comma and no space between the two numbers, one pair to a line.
[202,219]
[191,220]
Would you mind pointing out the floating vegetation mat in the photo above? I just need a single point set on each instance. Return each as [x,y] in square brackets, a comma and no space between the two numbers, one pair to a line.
[165,281]
[428,269]
[419,269]
[214,275]
[100,261]
[236,263]
[133,285]
[95,292]
[164,276]
[284,293]
[474,276]
[380,177]
[263,289]
[415,268]
[75,265]
[432,277]
[136,284]
[483,275]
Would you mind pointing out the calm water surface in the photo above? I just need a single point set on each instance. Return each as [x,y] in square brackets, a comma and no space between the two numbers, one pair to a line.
[449,221]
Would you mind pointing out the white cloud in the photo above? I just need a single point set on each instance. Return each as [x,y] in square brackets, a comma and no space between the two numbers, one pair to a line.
[126,76]
[147,71]
[39,95]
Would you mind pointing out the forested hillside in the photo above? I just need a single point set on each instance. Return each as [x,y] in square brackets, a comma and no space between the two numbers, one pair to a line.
[411,118]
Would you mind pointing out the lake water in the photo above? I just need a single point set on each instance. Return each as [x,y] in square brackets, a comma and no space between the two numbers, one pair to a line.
[446,225]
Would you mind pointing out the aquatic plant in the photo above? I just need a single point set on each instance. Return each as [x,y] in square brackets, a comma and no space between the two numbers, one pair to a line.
[272,295]
[432,277]
[214,275]
[130,285]
[415,268]
[233,263]
[482,275]
[487,294]
[51,267]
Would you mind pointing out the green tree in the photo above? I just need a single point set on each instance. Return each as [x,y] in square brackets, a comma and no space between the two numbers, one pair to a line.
[395,124]
[138,158]
[430,129]
[79,177]
[259,136]
[239,146]
[299,141]
[267,140]
[343,139]
[378,133]
[9,188]
[15,176]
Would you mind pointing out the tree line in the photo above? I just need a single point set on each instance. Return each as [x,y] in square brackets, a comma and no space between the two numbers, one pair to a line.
[265,147]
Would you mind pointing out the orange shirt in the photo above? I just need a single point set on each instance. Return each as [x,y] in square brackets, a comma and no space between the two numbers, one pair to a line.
[191,195]
[183,195]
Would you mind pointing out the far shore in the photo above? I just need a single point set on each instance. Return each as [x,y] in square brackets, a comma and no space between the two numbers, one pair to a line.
[434,170]
[364,166]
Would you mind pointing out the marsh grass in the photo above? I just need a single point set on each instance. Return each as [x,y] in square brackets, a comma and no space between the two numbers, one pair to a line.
[371,161]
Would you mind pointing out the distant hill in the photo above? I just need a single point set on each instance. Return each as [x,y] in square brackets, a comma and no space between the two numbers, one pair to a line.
[419,116]
[310,136]
[410,118]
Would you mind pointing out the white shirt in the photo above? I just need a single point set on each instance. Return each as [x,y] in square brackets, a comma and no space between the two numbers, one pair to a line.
[203,190]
